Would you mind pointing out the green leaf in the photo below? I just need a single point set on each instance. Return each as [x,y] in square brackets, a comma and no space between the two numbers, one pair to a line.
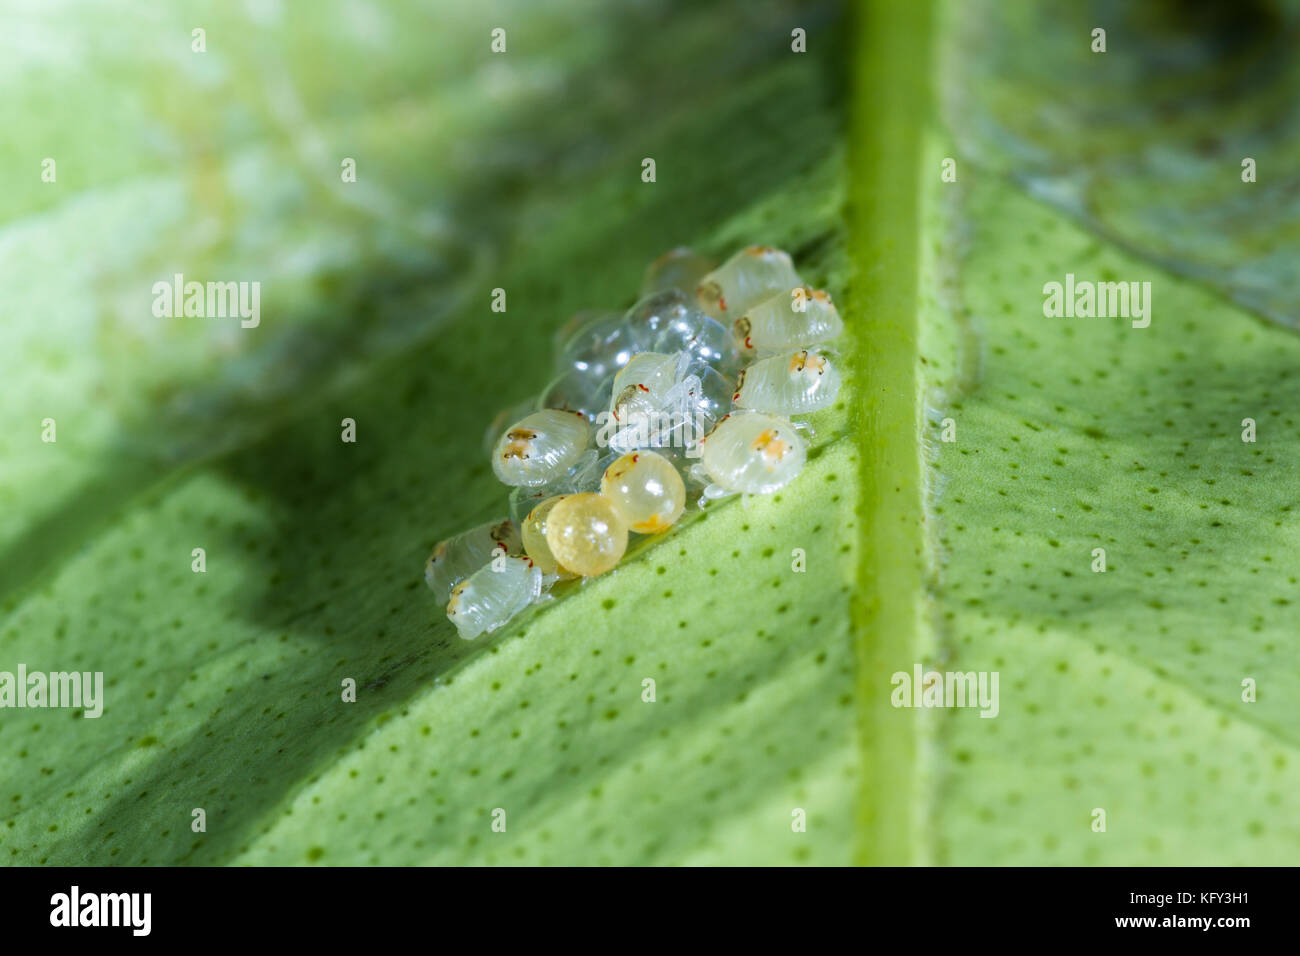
[521,171]
[224,688]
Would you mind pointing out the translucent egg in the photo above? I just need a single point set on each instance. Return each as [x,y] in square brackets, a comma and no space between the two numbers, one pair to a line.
[713,400]
[752,452]
[646,490]
[777,324]
[579,321]
[599,346]
[533,532]
[492,595]
[788,384]
[575,391]
[583,475]
[585,534]
[746,279]
[461,555]
[654,313]
[679,268]
[704,339]
[540,447]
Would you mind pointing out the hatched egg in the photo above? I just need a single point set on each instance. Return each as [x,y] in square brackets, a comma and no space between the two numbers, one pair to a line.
[540,447]
[585,534]
[599,345]
[793,320]
[671,322]
[680,268]
[654,313]
[533,532]
[580,320]
[641,387]
[744,280]
[788,384]
[646,490]
[575,391]
[753,452]
[583,475]
[461,555]
[492,595]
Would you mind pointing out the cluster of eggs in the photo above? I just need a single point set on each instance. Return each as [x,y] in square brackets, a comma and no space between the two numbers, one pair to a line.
[688,394]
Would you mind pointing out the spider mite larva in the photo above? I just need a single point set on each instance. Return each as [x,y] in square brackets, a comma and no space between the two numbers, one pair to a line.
[540,447]
[492,595]
[795,319]
[744,280]
[751,452]
[788,384]
[646,490]
[459,556]
[585,534]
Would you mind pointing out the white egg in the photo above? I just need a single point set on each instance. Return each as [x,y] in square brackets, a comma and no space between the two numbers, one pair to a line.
[746,279]
[492,595]
[789,321]
[540,447]
[752,452]
[788,384]
[461,555]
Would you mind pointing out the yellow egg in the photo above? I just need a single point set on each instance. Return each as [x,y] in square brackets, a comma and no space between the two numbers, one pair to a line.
[533,533]
[585,534]
[646,490]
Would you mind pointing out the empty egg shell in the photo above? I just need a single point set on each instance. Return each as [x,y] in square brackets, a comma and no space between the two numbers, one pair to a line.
[662,401]
[790,321]
[586,534]
[583,475]
[753,452]
[646,490]
[680,268]
[492,595]
[641,387]
[599,345]
[575,391]
[788,384]
[540,447]
[746,279]
[461,555]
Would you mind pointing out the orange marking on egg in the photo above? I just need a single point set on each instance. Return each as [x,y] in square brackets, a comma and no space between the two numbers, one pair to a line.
[770,446]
